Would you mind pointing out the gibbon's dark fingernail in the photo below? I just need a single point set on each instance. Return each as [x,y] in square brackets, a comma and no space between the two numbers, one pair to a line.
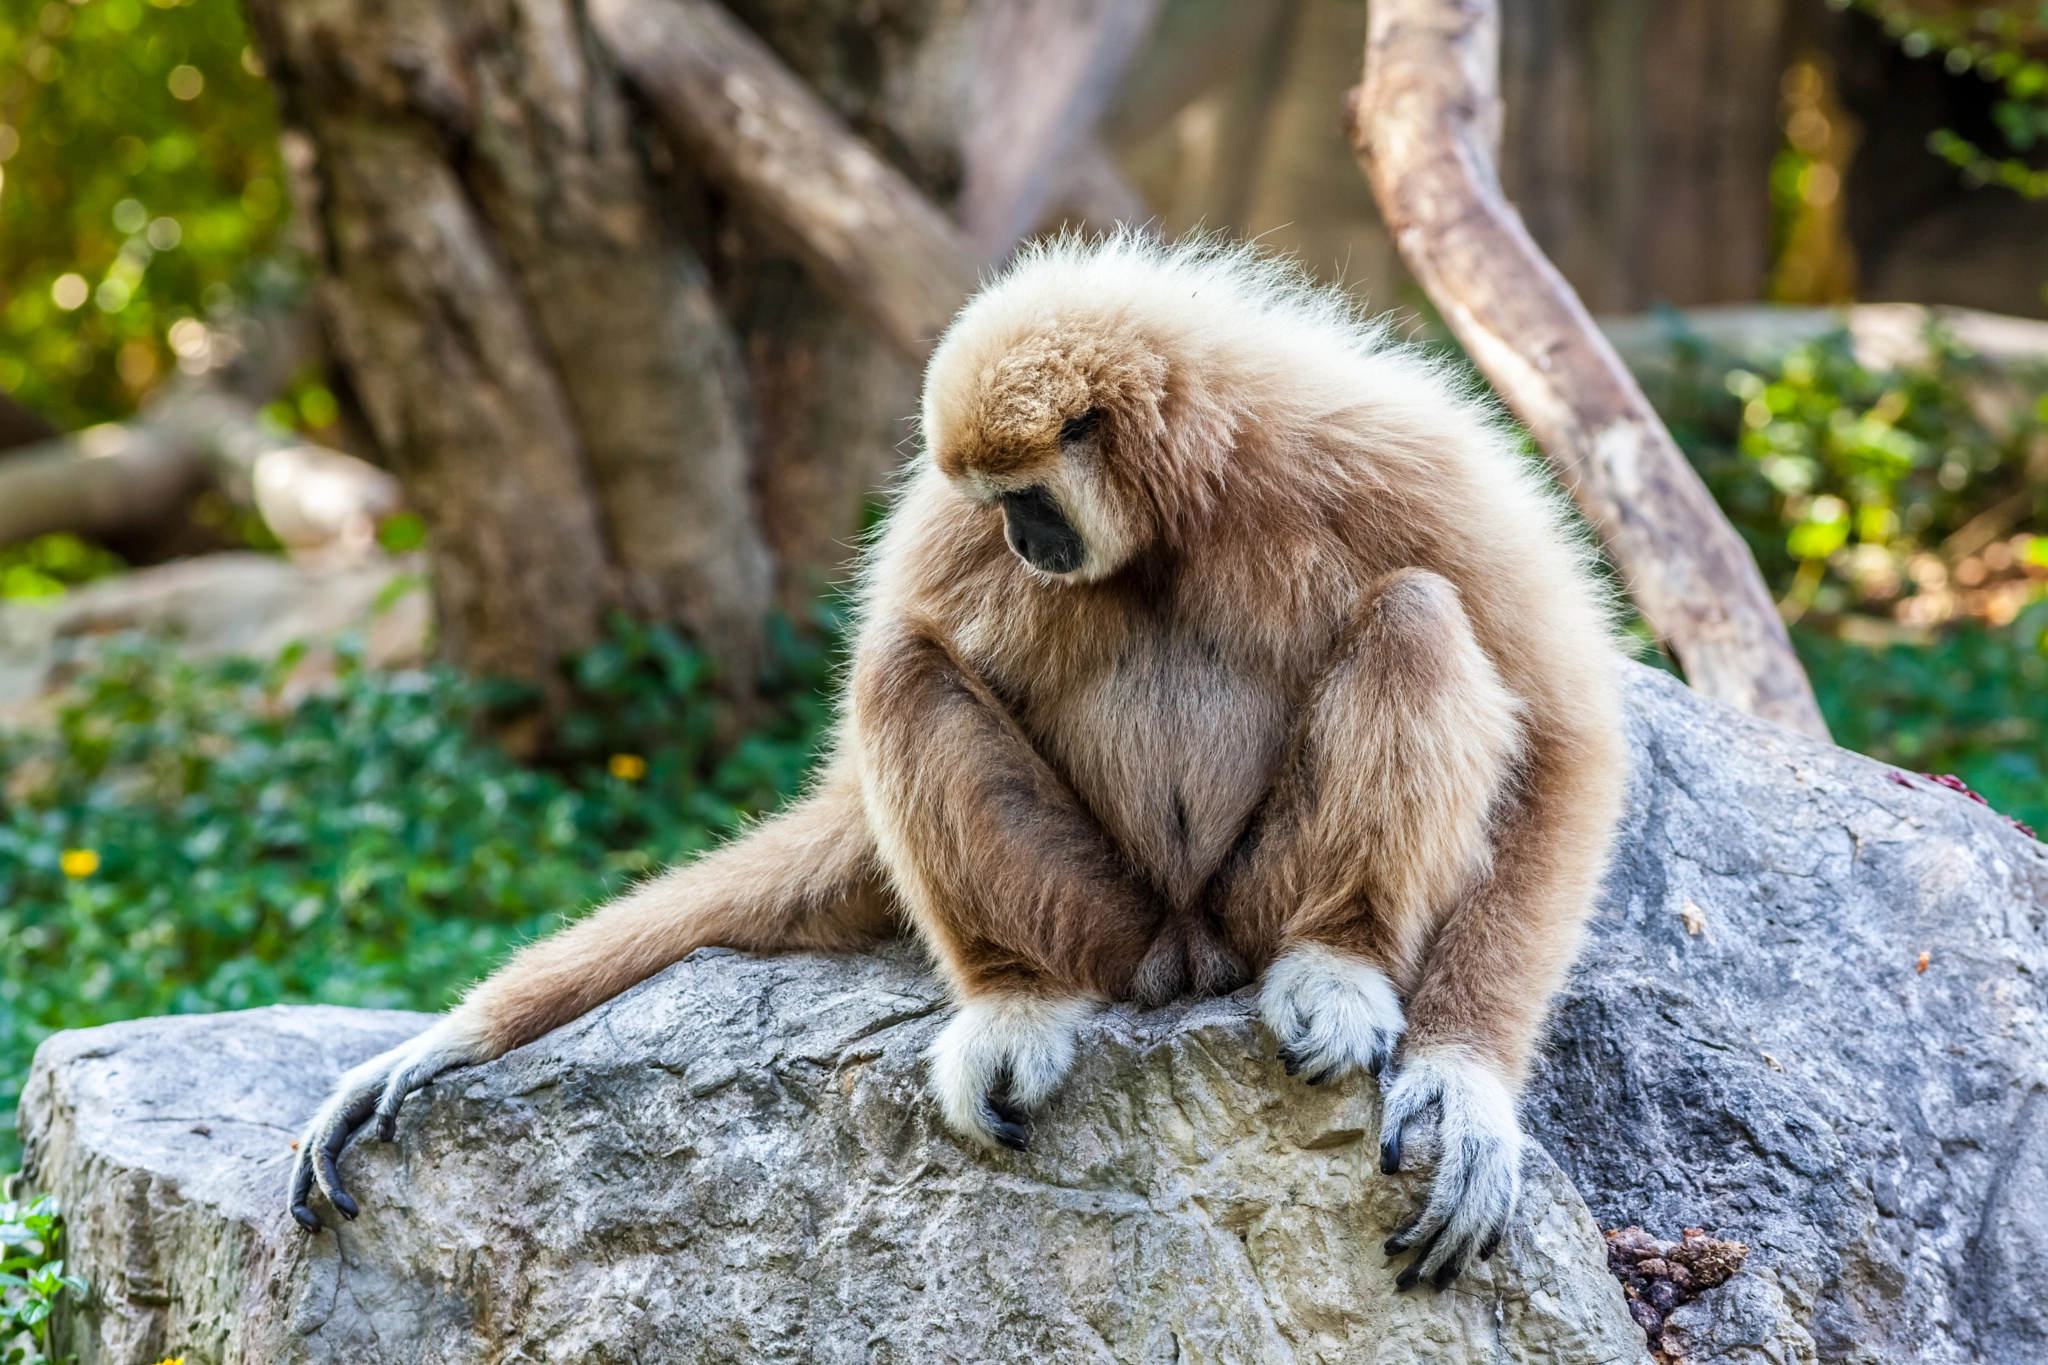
[387,1126]
[1398,1243]
[1390,1155]
[308,1220]
[1445,1275]
[346,1205]
[1407,1278]
[1012,1135]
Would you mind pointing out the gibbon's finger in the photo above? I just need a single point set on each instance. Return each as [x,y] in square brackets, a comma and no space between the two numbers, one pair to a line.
[1405,1238]
[302,1186]
[1006,1123]
[1493,1241]
[340,1129]
[1407,1278]
[1403,1098]
[444,1045]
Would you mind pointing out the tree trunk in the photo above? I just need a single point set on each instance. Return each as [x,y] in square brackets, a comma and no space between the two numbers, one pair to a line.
[1426,125]
[603,383]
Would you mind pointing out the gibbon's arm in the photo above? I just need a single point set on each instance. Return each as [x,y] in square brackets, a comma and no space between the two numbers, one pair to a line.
[1374,830]
[804,879]
[1031,912]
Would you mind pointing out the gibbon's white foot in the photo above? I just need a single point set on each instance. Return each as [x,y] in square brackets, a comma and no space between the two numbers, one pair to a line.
[1000,1058]
[1478,1164]
[1331,1012]
[377,1087]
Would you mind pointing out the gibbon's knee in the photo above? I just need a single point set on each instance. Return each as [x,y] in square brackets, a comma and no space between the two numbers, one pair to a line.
[1414,739]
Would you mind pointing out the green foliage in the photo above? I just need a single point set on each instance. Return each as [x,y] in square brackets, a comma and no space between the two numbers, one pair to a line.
[47,565]
[186,838]
[142,186]
[31,1280]
[1837,475]
[1974,703]
[1999,42]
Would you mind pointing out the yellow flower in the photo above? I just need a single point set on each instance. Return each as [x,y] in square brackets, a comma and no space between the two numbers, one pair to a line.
[79,862]
[172,1360]
[627,767]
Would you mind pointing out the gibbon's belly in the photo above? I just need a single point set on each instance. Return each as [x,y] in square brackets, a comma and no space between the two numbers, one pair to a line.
[1170,746]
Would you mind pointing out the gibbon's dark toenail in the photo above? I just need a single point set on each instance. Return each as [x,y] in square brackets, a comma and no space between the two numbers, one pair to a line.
[1407,1278]
[387,1127]
[1390,1156]
[346,1205]
[306,1217]
[1398,1243]
[1445,1275]
[1011,1135]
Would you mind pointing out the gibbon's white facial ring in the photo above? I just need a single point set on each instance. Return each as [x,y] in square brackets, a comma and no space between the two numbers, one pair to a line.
[1061,520]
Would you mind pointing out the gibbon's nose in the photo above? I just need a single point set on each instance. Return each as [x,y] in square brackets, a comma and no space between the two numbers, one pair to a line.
[1040,533]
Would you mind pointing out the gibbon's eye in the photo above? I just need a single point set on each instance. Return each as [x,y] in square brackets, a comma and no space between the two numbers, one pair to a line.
[1080,428]
[1040,533]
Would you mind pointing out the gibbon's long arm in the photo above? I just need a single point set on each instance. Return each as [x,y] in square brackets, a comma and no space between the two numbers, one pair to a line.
[804,879]
[1031,912]
[1014,884]
[1373,833]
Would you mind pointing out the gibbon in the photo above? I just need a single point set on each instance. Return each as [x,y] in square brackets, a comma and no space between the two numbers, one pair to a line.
[1213,636]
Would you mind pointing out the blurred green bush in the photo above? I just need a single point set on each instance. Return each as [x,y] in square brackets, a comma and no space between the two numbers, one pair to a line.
[188,838]
[140,185]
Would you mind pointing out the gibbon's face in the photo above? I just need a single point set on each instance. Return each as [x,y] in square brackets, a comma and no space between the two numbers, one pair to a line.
[1033,444]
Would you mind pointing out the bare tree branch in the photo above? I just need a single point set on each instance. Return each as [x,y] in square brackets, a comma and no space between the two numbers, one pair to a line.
[1426,127]
[857,222]
[1044,72]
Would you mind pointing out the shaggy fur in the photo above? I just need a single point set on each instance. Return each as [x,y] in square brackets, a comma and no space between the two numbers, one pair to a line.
[1319,686]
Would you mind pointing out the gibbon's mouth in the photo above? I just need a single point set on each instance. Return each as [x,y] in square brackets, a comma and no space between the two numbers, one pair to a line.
[1040,533]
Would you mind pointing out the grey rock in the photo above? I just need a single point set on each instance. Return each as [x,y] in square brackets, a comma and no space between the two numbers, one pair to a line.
[1787,1077]
[736,1160]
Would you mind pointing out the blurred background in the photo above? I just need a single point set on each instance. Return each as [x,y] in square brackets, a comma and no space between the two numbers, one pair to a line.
[423,491]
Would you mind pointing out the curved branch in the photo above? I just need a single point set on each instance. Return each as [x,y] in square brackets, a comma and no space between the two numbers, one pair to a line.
[1426,128]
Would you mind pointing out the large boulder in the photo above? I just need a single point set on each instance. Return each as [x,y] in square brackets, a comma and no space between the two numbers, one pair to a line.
[736,1161]
[1813,1015]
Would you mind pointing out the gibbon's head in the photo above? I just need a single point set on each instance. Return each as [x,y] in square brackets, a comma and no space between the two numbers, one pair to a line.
[1112,397]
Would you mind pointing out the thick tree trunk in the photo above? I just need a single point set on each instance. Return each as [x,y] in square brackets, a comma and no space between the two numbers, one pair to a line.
[608,380]
[1426,125]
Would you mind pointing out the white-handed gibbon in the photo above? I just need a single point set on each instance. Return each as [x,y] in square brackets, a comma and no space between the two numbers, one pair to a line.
[1213,636]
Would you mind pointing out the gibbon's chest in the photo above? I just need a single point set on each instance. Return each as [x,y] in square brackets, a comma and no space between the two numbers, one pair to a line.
[1167,734]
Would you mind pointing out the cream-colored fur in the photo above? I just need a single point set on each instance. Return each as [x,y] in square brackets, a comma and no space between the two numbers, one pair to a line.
[1323,690]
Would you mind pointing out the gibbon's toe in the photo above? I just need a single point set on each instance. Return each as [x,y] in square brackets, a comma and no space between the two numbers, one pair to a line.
[1479,1144]
[1330,1012]
[999,1058]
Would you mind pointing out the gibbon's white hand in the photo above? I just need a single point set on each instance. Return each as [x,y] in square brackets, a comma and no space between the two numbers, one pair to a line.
[377,1087]
[1478,1165]
[1331,1013]
[998,1059]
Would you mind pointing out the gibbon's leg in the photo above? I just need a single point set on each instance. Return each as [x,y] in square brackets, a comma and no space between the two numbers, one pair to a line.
[1030,911]
[1376,828]
[806,878]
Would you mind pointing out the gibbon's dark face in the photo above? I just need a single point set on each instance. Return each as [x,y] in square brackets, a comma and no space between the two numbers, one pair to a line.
[1035,525]
[1040,533]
